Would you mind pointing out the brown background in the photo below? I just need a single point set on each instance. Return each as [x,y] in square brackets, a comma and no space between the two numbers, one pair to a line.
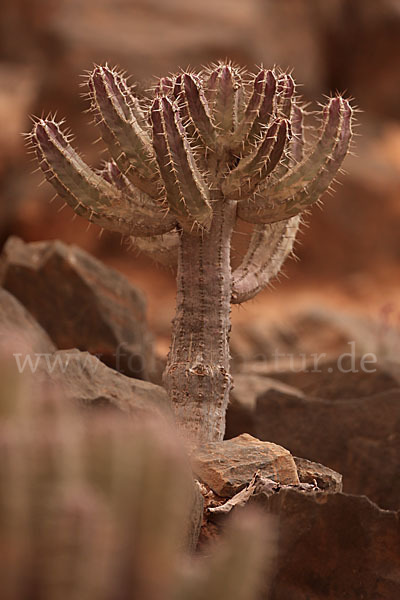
[349,254]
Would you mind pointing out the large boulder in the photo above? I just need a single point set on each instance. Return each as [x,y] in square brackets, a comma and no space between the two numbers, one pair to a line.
[333,545]
[80,302]
[241,415]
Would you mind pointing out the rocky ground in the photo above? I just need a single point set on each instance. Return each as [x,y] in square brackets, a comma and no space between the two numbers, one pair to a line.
[317,444]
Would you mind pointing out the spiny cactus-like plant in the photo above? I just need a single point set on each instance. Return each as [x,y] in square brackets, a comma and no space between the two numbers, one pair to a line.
[206,149]
[98,508]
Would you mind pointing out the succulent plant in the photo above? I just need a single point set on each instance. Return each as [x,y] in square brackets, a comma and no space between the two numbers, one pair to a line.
[98,507]
[207,149]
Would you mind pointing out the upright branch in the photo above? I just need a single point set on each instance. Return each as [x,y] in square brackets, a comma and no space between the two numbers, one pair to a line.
[206,149]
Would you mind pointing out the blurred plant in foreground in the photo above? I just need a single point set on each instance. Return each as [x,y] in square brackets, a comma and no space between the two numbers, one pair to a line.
[95,507]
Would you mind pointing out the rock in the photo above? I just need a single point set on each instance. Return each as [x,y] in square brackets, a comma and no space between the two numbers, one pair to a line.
[19,328]
[337,379]
[86,381]
[327,479]
[312,338]
[241,411]
[341,434]
[375,466]
[227,466]
[333,546]
[349,421]
[307,332]
[80,302]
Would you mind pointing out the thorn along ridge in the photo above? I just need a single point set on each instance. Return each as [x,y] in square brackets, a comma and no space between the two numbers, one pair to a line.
[207,147]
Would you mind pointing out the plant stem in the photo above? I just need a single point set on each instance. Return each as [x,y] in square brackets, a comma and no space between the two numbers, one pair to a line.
[197,373]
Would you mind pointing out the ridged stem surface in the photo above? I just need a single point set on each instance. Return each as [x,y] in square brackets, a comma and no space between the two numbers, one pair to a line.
[197,373]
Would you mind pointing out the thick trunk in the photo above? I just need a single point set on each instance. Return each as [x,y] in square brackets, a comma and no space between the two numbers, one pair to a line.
[197,373]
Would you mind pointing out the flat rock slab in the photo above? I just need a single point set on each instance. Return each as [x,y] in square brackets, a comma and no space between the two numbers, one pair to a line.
[333,546]
[86,381]
[80,302]
[228,466]
[19,329]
